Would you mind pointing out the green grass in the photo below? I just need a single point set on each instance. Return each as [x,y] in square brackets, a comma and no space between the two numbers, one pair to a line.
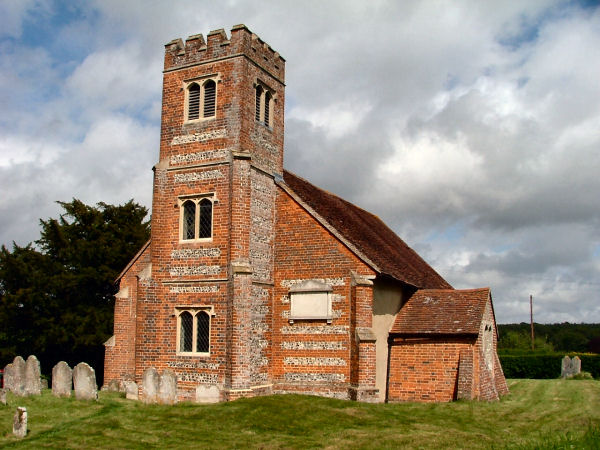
[551,414]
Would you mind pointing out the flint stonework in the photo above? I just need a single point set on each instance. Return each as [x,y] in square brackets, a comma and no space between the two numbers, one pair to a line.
[62,380]
[20,422]
[84,382]
[33,375]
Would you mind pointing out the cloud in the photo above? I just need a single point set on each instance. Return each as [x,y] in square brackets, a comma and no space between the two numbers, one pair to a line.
[469,128]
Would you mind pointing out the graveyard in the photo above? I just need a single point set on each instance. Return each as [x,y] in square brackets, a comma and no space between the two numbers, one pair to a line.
[536,413]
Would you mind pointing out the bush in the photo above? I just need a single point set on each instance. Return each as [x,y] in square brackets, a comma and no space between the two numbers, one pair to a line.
[546,366]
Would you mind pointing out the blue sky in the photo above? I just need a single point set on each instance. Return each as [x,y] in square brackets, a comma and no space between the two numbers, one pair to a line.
[470,128]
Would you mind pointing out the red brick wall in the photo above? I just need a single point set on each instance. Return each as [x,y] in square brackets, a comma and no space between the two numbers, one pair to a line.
[313,356]
[119,358]
[425,369]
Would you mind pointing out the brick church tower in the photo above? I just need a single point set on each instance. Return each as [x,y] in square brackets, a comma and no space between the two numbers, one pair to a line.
[213,214]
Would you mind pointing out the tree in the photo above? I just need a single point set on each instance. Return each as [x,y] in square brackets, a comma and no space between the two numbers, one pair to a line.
[57,298]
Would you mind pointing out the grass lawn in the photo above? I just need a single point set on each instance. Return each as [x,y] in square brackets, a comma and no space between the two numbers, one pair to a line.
[536,414]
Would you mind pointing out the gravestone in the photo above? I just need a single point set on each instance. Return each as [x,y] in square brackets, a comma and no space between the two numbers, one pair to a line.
[131,390]
[84,382]
[167,388]
[575,365]
[3,396]
[9,377]
[150,385]
[62,380]
[20,422]
[207,394]
[570,367]
[113,386]
[19,376]
[33,375]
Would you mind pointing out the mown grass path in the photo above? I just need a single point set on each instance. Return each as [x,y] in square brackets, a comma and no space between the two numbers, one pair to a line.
[536,414]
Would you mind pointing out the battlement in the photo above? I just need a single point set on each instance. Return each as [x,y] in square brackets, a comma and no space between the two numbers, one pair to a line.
[217,46]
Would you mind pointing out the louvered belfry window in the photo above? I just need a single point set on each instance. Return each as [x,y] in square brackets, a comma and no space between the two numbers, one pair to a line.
[202,332]
[194,102]
[186,332]
[210,97]
[267,108]
[205,230]
[259,91]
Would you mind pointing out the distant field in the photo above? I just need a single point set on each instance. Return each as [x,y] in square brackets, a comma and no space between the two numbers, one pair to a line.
[537,414]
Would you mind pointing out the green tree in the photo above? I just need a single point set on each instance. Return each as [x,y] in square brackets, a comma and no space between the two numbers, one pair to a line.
[57,298]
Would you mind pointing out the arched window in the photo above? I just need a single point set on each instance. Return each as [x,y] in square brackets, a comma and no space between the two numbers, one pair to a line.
[189,220]
[268,98]
[186,331]
[193,324]
[202,332]
[210,97]
[201,98]
[193,101]
[205,230]
[196,218]
[259,92]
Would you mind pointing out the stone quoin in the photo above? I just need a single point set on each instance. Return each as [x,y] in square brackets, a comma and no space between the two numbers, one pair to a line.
[255,281]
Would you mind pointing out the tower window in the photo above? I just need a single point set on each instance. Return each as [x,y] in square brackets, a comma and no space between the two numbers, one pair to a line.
[210,97]
[196,218]
[201,100]
[193,329]
[263,105]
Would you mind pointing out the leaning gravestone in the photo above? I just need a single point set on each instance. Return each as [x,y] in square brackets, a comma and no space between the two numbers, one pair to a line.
[84,382]
[20,422]
[3,396]
[131,390]
[33,376]
[62,380]
[150,385]
[167,388]
[9,377]
[19,376]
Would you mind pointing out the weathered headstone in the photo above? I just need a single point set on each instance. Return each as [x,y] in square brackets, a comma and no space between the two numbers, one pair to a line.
[33,375]
[62,380]
[131,390]
[575,366]
[3,396]
[113,386]
[207,394]
[20,422]
[19,376]
[167,388]
[84,382]
[150,384]
[9,377]
[565,367]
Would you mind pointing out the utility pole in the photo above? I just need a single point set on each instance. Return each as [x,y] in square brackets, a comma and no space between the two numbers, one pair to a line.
[531,321]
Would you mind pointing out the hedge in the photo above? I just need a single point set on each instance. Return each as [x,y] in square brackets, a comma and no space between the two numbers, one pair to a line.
[545,366]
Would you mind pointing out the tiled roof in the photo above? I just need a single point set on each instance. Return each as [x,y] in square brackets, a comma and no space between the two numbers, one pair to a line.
[372,240]
[442,311]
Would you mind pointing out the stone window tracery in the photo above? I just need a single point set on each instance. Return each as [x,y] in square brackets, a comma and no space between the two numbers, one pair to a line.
[264,101]
[193,329]
[196,218]
[200,100]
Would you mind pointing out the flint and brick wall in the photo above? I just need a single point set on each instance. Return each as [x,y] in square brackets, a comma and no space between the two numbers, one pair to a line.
[312,356]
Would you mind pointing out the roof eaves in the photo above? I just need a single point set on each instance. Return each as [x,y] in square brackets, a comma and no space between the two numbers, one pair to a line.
[133,260]
[327,225]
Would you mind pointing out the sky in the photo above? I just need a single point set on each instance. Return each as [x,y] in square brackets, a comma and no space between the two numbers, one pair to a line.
[471,128]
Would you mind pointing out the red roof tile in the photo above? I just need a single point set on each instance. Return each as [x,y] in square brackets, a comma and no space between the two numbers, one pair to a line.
[383,250]
[442,311]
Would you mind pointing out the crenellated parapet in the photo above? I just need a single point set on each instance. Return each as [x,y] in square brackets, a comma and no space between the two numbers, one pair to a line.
[218,46]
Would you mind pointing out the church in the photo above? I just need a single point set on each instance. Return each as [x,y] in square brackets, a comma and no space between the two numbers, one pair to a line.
[257,282]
